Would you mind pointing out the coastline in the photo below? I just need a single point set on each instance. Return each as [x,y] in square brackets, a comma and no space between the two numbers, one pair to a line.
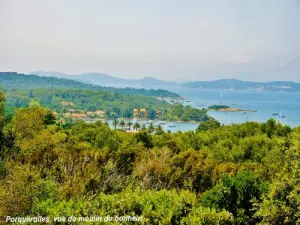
[236,110]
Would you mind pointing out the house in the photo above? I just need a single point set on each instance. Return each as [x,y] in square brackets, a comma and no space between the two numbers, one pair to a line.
[143,112]
[78,116]
[66,103]
[136,112]
[90,113]
[140,112]
[100,113]
[158,113]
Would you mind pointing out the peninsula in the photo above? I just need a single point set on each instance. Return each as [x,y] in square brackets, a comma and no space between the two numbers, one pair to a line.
[225,108]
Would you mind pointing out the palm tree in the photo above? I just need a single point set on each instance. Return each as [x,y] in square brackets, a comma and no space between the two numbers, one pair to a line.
[151,128]
[115,123]
[136,126]
[122,124]
[144,127]
[129,124]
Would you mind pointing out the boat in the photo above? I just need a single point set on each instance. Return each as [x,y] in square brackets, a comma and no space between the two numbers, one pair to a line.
[275,114]
[281,115]
[171,125]
[244,113]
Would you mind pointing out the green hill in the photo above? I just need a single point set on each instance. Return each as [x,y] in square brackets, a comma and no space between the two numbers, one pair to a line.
[13,80]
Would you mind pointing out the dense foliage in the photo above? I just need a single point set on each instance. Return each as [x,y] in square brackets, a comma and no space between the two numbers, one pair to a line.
[208,125]
[239,174]
[114,103]
[218,107]
[12,80]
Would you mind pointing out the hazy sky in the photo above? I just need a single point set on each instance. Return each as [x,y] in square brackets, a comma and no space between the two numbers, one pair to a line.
[168,39]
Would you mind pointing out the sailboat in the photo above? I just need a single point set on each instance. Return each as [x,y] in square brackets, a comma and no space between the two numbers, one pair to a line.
[281,115]
[172,125]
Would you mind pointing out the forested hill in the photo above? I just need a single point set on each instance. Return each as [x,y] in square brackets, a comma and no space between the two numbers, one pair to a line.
[235,84]
[13,80]
[218,175]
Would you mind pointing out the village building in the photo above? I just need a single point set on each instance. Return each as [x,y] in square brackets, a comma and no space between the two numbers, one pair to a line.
[136,112]
[66,103]
[78,116]
[98,113]
[140,112]
[143,113]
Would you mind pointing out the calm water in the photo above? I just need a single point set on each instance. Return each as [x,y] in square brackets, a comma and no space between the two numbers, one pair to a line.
[266,103]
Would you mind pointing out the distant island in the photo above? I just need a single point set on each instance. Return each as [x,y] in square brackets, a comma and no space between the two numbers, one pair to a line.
[151,82]
[226,108]
[234,84]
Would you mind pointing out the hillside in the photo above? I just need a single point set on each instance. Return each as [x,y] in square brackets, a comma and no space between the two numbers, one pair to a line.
[107,80]
[113,104]
[150,82]
[238,174]
[12,80]
[235,84]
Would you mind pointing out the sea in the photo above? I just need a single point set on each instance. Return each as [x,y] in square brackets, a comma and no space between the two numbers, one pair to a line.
[285,104]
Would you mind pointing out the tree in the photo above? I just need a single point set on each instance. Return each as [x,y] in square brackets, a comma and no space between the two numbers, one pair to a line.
[129,124]
[281,205]
[145,138]
[28,121]
[236,195]
[151,128]
[159,130]
[2,119]
[208,125]
[115,123]
[122,124]
[49,118]
[34,104]
[2,105]
[136,126]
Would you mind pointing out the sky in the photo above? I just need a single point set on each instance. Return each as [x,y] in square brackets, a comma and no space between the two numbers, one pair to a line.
[172,40]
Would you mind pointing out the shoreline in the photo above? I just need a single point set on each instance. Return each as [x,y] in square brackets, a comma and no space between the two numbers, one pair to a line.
[233,110]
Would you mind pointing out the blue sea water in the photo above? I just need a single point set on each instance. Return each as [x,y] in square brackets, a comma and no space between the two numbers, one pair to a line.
[265,103]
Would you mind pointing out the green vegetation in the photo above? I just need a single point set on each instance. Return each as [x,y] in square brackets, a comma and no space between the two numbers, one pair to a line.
[114,104]
[238,174]
[218,107]
[208,125]
[226,108]
[15,81]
